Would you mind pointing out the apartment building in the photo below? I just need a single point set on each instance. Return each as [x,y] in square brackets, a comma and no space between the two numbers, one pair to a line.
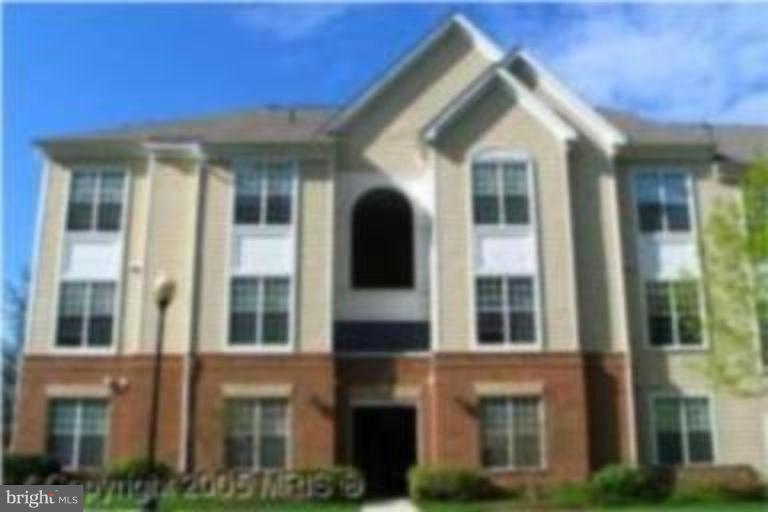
[467,265]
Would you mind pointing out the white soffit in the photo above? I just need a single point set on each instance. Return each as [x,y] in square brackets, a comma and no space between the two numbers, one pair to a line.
[479,40]
[608,134]
[525,98]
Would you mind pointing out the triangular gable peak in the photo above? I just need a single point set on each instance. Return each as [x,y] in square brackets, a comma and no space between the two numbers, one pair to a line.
[527,100]
[477,38]
[562,99]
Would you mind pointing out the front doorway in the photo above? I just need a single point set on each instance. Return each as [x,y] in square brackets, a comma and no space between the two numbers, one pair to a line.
[384,447]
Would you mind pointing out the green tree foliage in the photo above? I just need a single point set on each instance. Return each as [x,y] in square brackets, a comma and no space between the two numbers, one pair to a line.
[736,278]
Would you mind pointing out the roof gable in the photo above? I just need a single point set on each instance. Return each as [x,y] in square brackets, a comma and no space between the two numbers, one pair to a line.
[526,99]
[456,22]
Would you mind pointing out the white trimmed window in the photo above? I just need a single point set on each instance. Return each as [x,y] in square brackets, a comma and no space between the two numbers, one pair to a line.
[663,200]
[511,432]
[77,432]
[506,313]
[500,192]
[256,434]
[86,314]
[264,193]
[260,311]
[674,313]
[96,201]
[683,430]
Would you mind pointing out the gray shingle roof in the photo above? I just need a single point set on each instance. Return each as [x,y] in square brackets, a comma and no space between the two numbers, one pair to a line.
[277,124]
[302,124]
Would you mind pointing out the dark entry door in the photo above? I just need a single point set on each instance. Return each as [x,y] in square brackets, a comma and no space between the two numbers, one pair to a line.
[384,447]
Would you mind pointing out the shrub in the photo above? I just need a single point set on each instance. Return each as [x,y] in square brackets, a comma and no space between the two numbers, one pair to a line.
[455,484]
[619,484]
[18,469]
[332,483]
[712,483]
[139,470]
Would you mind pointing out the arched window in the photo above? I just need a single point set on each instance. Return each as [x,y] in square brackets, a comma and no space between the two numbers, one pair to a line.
[382,241]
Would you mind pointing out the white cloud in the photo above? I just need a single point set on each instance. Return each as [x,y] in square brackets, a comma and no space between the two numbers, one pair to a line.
[289,22]
[682,62]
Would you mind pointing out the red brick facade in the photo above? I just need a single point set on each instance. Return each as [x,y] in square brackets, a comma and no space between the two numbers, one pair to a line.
[584,404]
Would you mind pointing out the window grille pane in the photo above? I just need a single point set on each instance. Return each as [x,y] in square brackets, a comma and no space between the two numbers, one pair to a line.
[81,201]
[649,202]
[675,189]
[69,332]
[239,429]
[62,417]
[520,293]
[494,414]
[495,451]
[659,303]
[490,327]
[238,452]
[243,320]
[110,201]
[527,432]
[272,452]
[699,430]
[650,217]
[91,451]
[489,294]
[522,327]
[94,417]
[276,307]
[516,210]
[486,194]
[677,217]
[494,428]
[61,448]
[280,191]
[273,434]
[688,313]
[248,196]
[669,441]
[79,216]
[245,295]
[515,179]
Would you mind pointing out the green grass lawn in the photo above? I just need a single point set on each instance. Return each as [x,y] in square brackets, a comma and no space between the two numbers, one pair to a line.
[181,504]
[517,506]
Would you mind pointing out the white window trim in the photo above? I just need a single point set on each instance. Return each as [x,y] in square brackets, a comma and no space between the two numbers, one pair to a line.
[99,170]
[532,228]
[676,346]
[258,344]
[267,230]
[256,430]
[121,235]
[543,446]
[508,345]
[75,463]
[709,397]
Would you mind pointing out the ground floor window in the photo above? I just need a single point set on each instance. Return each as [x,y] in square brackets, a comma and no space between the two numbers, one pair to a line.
[77,432]
[511,432]
[683,430]
[256,434]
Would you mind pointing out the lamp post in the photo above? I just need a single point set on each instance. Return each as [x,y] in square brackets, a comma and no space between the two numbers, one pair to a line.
[162,294]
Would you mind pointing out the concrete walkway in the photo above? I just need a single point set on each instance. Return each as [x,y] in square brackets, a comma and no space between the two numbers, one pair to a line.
[390,505]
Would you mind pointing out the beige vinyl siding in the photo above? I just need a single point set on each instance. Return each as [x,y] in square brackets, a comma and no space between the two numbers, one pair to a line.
[215,251]
[315,247]
[496,121]
[386,136]
[171,239]
[315,232]
[43,305]
[597,239]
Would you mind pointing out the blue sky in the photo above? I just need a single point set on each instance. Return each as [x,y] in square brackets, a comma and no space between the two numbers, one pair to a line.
[70,68]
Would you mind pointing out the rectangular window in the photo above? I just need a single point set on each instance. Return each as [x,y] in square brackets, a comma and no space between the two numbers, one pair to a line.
[505,310]
[264,194]
[674,313]
[683,430]
[95,201]
[511,434]
[77,432]
[260,311]
[663,202]
[762,326]
[500,192]
[86,314]
[256,434]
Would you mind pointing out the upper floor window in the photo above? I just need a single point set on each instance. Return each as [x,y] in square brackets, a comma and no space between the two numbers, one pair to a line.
[511,432]
[505,310]
[382,241]
[683,430]
[95,201]
[674,313]
[256,434]
[260,311]
[500,192]
[86,314]
[264,193]
[77,432]
[663,201]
